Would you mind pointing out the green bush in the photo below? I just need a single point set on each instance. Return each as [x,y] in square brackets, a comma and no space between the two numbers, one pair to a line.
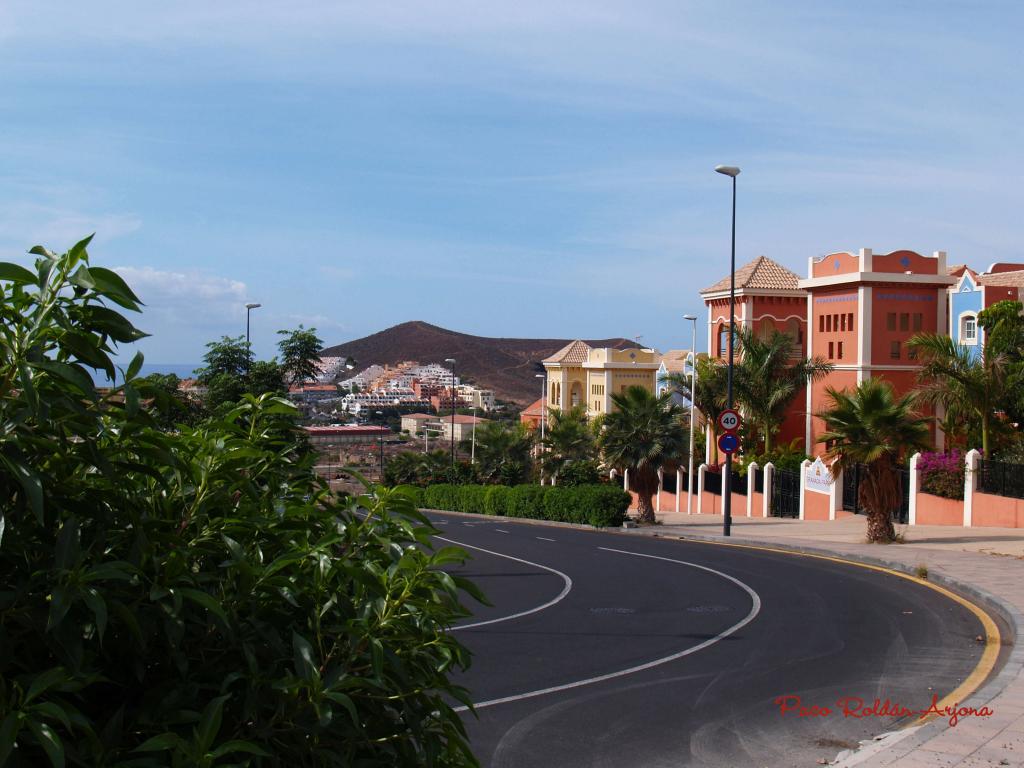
[597,505]
[197,597]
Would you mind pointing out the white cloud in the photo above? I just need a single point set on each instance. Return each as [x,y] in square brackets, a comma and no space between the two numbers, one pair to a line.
[195,292]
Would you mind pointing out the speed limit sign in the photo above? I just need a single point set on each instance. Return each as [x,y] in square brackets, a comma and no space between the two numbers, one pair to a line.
[729,420]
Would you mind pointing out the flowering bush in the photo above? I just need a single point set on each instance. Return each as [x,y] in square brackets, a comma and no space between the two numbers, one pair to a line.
[942,474]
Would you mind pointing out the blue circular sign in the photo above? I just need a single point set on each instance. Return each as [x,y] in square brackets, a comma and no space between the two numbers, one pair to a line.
[728,443]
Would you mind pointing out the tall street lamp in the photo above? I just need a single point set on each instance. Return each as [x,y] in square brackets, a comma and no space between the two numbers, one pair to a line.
[248,349]
[543,409]
[472,451]
[452,361]
[733,172]
[380,435]
[693,400]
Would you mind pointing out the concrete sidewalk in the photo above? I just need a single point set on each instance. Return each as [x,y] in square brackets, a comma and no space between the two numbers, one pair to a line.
[986,564]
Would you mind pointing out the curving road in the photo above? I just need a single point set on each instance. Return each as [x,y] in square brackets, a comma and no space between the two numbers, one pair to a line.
[617,651]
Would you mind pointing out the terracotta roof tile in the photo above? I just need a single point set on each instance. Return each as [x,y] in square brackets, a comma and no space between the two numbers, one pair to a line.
[763,273]
[573,353]
[534,408]
[675,360]
[1009,279]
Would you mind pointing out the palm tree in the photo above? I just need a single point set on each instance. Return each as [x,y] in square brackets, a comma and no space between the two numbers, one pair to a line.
[503,452]
[712,387]
[870,426]
[769,376]
[570,439]
[964,385]
[641,434]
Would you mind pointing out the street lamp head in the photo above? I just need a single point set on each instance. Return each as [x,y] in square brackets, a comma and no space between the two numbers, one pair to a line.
[728,170]
[689,317]
[252,306]
[539,375]
[449,359]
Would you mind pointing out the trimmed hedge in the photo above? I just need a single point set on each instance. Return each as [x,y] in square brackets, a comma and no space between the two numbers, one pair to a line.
[597,505]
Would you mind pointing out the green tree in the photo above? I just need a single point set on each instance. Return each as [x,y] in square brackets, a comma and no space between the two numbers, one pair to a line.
[871,426]
[266,377]
[569,439]
[167,403]
[712,388]
[300,354]
[968,387]
[643,433]
[197,597]
[503,452]
[768,377]
[230,356]
[1004,329]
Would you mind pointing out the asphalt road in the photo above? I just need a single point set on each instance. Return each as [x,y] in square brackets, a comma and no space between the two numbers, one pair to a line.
[613,651]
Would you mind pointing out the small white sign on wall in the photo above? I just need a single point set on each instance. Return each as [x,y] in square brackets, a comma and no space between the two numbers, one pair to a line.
[817,477]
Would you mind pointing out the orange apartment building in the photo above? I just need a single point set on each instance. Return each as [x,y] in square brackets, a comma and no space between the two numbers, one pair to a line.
[854,310]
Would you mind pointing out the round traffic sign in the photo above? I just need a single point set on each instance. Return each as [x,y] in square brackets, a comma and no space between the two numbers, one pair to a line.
[728,443]
[729,420]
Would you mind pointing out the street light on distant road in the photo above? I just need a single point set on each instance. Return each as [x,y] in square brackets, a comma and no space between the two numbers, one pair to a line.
[543,408]
[452,403]
[381,436]
[693,400]
[731,171]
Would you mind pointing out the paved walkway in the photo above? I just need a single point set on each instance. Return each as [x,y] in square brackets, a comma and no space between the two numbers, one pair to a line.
[985,563]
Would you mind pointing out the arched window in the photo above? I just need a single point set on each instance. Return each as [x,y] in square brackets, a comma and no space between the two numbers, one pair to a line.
[767,328]
[968,329]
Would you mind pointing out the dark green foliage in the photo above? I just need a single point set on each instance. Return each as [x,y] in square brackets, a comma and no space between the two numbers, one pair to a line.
[502,452]
[579,473]
[300,354]
[197,598]
[597,505]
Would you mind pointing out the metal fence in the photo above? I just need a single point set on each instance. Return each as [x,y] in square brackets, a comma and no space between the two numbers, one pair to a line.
[668,482]
[713,483]
[851,493]
[739,483]
[1001,479]
[785,500]
[758,479]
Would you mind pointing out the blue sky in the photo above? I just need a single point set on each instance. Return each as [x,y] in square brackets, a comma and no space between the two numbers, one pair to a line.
[502,169]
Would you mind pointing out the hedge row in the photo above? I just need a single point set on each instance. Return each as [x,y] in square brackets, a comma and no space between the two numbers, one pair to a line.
[597,505]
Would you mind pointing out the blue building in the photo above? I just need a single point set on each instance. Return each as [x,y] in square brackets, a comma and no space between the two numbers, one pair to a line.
[966,300]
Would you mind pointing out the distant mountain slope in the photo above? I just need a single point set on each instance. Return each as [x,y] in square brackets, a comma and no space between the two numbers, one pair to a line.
[505,365]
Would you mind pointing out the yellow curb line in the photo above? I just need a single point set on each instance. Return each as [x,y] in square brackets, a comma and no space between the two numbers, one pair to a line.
[992,637]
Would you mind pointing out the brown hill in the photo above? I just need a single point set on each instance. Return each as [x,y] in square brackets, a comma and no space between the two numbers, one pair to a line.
[506,366]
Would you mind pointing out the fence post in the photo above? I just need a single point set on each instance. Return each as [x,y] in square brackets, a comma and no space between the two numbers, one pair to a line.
[657,499]
[835,494]
[679,484]
[625,479]
[769,480]
[751,484]
[970,484]
[915,482]
[803,485]
[700,488]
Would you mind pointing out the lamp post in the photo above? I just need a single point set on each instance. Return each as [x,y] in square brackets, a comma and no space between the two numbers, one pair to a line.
[693,400]
[380,436]
[452,361]
[248,349]
[731,171]
[543,410]
[472,452]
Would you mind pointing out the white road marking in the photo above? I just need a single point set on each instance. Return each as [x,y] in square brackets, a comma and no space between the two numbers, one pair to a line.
[754,610]
[544,538]
[561,595]
[499,530]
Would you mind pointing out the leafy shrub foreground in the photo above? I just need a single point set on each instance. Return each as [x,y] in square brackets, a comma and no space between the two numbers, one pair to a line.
[197,597]
[942,474]
[597,505]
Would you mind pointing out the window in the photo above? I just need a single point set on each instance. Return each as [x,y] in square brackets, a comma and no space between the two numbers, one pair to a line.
[890,321]
[894,350]
[849,320]
[904,321]
[842,322]
[918,319]
[969,329]
[828,323]
[831,350]
[839,350]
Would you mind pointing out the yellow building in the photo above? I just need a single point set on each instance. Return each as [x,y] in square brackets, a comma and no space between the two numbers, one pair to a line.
[578,374]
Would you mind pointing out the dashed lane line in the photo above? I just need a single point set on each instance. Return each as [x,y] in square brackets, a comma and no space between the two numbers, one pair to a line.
[544,538]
